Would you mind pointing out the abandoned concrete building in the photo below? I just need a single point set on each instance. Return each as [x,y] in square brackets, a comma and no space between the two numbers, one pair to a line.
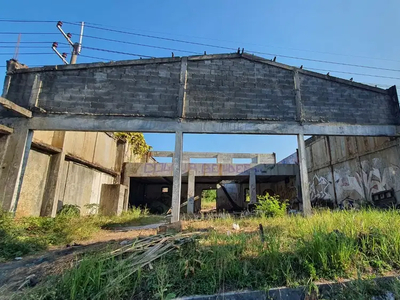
[151,184]
[234,93]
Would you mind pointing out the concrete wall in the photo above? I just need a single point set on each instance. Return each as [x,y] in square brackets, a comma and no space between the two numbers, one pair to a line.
[352,168]
[95,147]
[80,182]
[30,201]
[83,185]
[218,87]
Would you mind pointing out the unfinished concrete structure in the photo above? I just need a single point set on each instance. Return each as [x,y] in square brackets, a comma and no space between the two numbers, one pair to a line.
[227,93]
[151,184]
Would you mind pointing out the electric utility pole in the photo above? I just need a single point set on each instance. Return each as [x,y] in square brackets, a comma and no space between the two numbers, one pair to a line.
[76,47]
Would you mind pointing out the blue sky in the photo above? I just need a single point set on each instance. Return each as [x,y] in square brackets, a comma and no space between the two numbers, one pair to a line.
[358,32]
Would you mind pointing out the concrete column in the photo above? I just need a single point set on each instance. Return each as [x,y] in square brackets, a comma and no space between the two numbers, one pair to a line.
[13,165]
[224,159]
[253,186]
[305,192]
[190,194]
[51,194]
[52,190]
[177,180]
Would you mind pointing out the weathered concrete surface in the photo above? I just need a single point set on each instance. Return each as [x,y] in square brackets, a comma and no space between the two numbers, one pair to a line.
[221,158]
[191,192]
[286,293]
[83,185]
[12,165]
[165,169]
[345,169]
[113,199]
[176,171]
[33,185]
[305,192]
[214,87]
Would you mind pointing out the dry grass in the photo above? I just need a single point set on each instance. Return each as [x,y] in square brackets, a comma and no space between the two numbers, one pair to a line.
[328,246]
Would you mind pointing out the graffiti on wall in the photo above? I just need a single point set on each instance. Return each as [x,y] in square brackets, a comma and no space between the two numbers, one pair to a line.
[375,176]
[319,188]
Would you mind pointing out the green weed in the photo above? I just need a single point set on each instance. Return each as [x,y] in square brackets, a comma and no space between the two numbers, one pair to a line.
[295,251]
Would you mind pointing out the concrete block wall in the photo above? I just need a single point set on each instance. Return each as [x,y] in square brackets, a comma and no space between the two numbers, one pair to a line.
[216,87]
[111,90]
[239,89]
[329,101]
[344,169]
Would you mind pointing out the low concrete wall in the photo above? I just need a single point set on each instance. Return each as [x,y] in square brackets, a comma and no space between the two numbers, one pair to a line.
[114,199]
[83,185]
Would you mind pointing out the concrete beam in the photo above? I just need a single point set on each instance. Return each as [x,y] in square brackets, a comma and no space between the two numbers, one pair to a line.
[164,125]
[204,170]
[305,191]
[177,177]
[15,107]
[5,129]
[190,192]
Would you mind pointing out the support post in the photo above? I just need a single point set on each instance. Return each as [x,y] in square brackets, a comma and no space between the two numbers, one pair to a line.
[52,190]
[253,187]
[305,192]
[190,192]
[13,166]
[177,180]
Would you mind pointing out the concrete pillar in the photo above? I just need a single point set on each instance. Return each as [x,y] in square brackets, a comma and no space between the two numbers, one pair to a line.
[305,192]
[190,193]
[52,190]
[253,186]
[224,159]
[13,165]
[177,180]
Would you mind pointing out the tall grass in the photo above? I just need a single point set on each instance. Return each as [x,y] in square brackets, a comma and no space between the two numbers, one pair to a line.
[296,251]
[24,236]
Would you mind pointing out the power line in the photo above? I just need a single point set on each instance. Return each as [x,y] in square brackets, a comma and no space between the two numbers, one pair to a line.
[32,43]
[234,49]
[29,47]
[352,73]
[139,44]
[94,57]
[254,44]
[36,33]
[95,25]
[28,53]
[118,52]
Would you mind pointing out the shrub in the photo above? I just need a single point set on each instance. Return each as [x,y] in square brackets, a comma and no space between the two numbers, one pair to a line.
[270,206]
[69,210]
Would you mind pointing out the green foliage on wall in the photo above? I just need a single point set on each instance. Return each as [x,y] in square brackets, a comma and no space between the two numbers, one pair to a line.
[136,141]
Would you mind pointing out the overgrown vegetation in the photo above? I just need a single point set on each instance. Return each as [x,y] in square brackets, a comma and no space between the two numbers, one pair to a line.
[209,199]
[136,141]
[270,206]
[294,251]
[19,237]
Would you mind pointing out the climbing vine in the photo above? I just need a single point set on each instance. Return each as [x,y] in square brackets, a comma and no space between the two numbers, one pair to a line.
[136,141]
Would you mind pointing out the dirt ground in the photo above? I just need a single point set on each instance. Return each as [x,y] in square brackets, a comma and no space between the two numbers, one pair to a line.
[30,270]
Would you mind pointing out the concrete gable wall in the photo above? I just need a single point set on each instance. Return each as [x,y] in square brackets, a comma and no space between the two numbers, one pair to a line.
[220,87]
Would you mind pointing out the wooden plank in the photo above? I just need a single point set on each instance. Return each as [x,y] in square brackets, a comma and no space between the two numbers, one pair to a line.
[5,129]
[16,108]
